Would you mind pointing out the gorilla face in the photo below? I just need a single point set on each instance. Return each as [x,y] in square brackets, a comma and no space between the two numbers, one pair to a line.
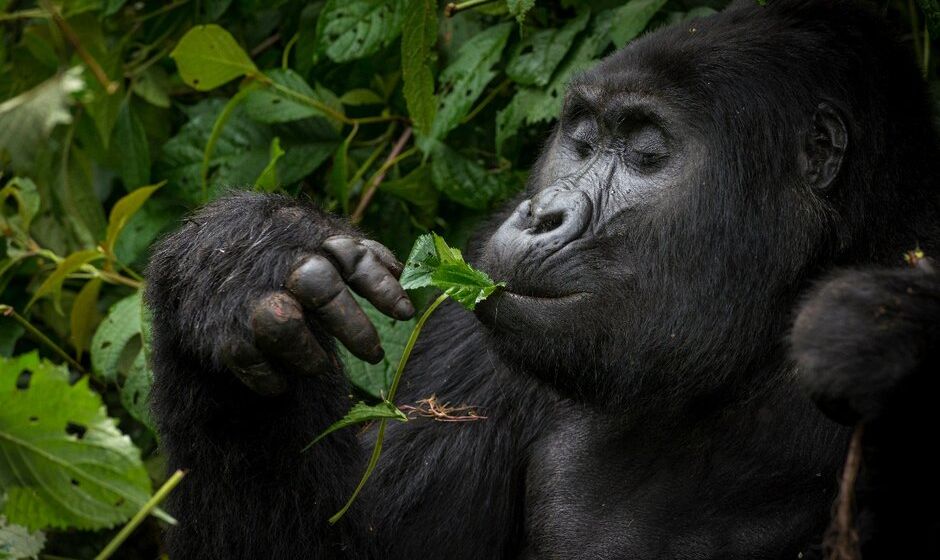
[694,185]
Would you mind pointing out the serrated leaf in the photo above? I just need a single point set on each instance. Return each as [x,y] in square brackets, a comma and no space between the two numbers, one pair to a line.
[64,464]
[84,316]
[535,57]
[351,29]
[267,180]
[463,180]
[53,283]
[27,120]
[433,263]
[24,191]
[208,56]
[268,105]
[462,82]
[519,8]
[361,413]
[631,19]
[18,542]
[418,36]
[123,210]
[130,141]
[375,379]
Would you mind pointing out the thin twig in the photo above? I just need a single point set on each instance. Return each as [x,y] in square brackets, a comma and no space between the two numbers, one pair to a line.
[8,311]
[442,412]
[841,542]
[454,7]
[265,45]
[109,86]
[369,192]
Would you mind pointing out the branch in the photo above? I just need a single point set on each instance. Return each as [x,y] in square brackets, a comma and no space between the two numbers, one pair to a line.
[379,176]
[109,86]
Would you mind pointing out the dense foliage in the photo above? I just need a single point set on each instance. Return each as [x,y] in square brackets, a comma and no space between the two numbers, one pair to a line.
[117,117]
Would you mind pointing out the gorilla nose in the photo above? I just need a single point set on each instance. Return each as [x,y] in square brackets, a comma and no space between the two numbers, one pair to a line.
[542,225]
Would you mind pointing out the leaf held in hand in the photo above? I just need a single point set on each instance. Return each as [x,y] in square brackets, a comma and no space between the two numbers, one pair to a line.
[433,263]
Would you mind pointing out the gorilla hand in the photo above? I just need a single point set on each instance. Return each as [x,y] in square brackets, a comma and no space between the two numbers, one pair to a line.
[259,285]
[867,342]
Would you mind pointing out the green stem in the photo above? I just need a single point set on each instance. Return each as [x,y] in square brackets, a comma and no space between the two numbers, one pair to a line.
[486,101]
[8,311]
[380,437]
[142,514]
[453,7]
[217,128]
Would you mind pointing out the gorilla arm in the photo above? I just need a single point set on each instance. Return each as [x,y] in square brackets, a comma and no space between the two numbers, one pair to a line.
[247,297]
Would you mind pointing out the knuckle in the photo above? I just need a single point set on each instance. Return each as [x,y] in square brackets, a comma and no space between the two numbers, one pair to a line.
[316,280]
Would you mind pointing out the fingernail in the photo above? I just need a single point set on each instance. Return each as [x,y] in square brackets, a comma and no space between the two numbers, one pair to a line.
[404,308]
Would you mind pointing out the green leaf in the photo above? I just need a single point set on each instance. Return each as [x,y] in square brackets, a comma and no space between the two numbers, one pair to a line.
[631,19]
[130,142]
[361,413]
[433,263]
[267,181]
[117,341]
[361,97]
[519,8]
[153,87]
[416,189]
[17,542]
[462,82]
[270,105]
[351,29]
[931,9]
[24,191]
[27,120]
[463,180]
[537,55]
[418,36]
[112,6]
[84,315]
[63,462]
[123,210]
[135,392]
[375,379]
[53,283]
[208,56]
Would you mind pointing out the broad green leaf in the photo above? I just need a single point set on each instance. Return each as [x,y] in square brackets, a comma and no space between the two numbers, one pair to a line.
[433,263]
[533,105]
[135,392]
[271,105]
[338,182]
[361,97]
[84,316]
[27,120]
[538,54]
[153,87]
[123,210]
[361,413]
[130,141]
[352,29]
[63,462]
[417,190]
[117,341]
[464,180]
[53,283]
[267,181]
[519,8]
[631,19]
[18,542]
[375,379]
[208,56]
[462,82]
[418,36]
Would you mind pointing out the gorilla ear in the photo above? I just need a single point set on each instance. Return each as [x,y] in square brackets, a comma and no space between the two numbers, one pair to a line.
[824,147]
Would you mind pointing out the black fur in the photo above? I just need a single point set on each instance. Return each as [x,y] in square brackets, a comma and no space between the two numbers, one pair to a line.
[653,415]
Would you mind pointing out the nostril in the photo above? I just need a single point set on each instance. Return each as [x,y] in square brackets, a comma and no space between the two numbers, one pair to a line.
[547,222]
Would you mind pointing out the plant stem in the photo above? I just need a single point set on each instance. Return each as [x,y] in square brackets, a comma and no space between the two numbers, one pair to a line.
[486,101]
[216,133]
[380,437]
[392,159]
[453,7]
[142,514]
[109,86]
[8,311]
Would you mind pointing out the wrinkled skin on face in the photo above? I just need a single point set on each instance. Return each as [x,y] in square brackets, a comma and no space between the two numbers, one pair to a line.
[682,203]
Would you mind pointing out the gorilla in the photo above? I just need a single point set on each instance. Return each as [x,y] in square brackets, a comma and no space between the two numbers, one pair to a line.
[710,244]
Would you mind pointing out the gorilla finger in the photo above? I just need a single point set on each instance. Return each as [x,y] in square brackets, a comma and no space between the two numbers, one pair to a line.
[370,277]
[250,367]
[385,256]
[321,290]
[281,333]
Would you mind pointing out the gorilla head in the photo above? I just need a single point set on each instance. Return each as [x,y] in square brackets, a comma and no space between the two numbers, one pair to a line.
[695,183]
